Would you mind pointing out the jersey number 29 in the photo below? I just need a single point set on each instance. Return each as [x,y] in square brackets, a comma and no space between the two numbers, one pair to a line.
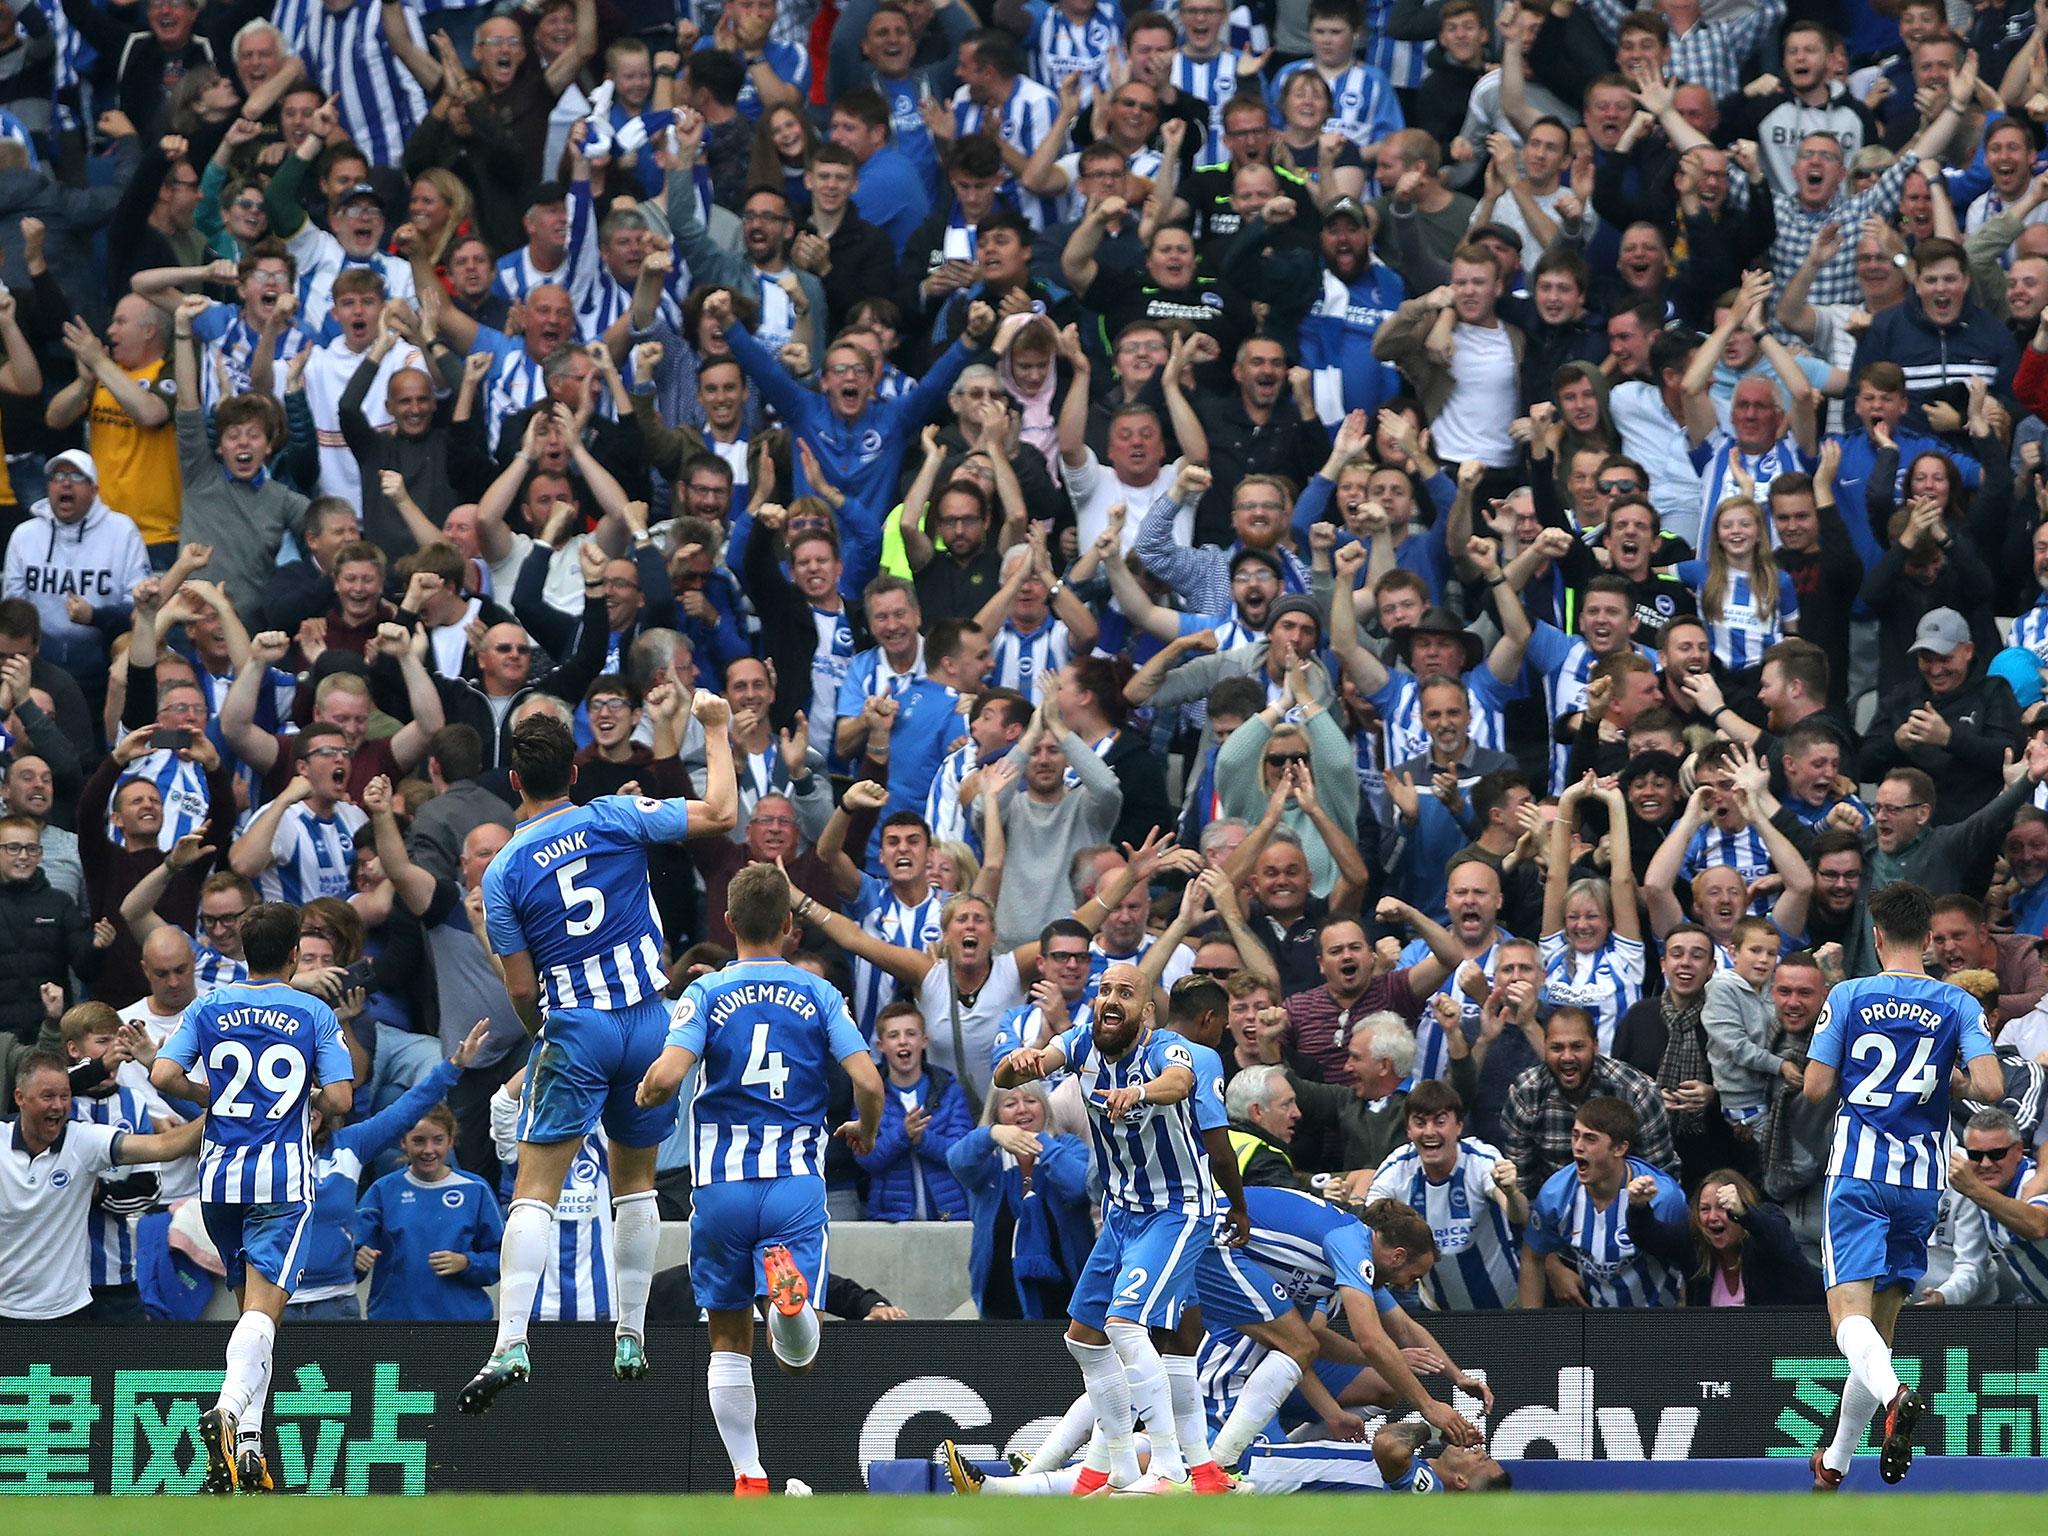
[1917,1082]
[279,1068]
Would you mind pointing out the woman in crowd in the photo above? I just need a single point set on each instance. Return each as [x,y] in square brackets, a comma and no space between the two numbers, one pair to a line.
[1027,1189]
[1748,603]
[1592,940]
[1748,1256]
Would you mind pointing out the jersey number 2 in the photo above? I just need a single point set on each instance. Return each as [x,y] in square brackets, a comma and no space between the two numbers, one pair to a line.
[764,1065]
[1917,1082]
[574,896]
[279,1068]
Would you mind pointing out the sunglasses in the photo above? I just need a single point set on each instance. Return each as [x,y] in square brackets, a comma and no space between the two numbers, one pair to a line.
[1616,487]
[1286,759]
[1214,972]
[1988,1154]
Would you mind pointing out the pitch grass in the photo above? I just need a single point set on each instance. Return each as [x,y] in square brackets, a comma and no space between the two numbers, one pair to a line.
[1885,1514]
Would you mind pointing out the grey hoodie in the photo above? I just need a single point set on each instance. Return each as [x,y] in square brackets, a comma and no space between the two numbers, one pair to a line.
[1738,1021]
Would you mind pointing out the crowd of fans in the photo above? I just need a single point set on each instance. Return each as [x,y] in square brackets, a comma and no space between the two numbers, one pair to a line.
[1470,538]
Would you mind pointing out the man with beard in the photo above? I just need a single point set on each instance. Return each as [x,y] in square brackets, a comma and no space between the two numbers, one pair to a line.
[1260,510]
[1160,1200]
[1662,1037]
[2026,865]
[957,581]
[1536,1124]
[761,271]
[1336,303]
[1685,653]
[1428,793]
[2010,145]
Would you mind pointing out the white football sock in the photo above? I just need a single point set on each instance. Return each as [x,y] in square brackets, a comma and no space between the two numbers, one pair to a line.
[248,1362]
[1870,1358]
[1060,1481]
[1067,1437]
[1857,1407]
[794,1338]
[1151,1397]
[1270,1384]
[249,1424]
[1190,1421]
[1110,1392]
[636,1234]
[522,1256]
[730,1378]
[1096,1458]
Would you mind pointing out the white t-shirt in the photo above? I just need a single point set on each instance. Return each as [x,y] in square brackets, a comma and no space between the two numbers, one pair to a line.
[1484,398]
[328,371]
[979,1019]
[44,1201]
[1095,488]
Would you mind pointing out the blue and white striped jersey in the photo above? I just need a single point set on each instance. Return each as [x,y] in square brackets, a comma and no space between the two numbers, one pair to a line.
[211,969]
[1741,850]
[1024,662]
[1404,64]
[1400,709]
[2025,1258]
[1432,1055]
[315,855]
[943,812]
[1152,1159]
[869,676]
[1363,106]
[1101,958]
[110,1238]
[320,258]
[518,276]
[766,1035]
[1336,342]
[907,925]
[182,785]
[1563,1219]
[1741,632]
[2030,629]
[1716,460]
[1564,664]
[514,381]
[1063,46]
[229,336]
[346,52]
[1021,1027]
[1024,121]
[1606,983]
[571,890]
[263,1049]
[1213,82]
[1310,1246]
[1895,1038]
[1478,1261]
[581,1275]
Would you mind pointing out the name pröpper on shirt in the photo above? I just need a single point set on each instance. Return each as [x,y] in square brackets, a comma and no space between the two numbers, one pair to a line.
[1902,1009]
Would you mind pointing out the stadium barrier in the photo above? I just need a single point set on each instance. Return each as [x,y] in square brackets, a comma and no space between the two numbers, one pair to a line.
[369,1408]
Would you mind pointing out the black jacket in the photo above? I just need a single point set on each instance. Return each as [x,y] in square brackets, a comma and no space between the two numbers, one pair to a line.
[863,266]
[466,704]
[787,632]
[1984,723]
[1774,1272]
[42,938]
[1142,773]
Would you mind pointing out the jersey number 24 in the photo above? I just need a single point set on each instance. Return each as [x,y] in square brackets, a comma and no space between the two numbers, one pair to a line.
[1917,1082]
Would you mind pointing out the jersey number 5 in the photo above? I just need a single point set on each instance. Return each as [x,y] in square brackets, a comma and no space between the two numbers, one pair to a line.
[764,1065]
[1918,1081]
[573,896]
[279,1068]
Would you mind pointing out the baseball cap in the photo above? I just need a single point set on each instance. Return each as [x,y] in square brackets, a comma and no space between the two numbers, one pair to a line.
[1497,230]
[78,459]
[356,193]
[1264,557]
[1940,631]
[546,193]
[1346,208]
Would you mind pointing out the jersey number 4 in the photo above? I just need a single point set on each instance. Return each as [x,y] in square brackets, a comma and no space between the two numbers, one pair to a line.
[1918,1081]
[765,1066]
[279,1068]
[590,898]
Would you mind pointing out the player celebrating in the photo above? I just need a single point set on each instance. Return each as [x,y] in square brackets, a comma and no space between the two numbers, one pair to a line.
[1890,1042]
[1155,1114]
[767,1034]
[269,1055]
[569,911]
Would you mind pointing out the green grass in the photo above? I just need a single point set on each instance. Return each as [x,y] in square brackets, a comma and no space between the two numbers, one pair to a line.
[1531,1515]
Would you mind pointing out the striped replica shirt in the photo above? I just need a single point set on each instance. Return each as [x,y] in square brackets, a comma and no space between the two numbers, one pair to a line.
[347,53]
[1213,82]
[765,1035]
[2025,1258]
[1741,632]
[906,924]
[1895,1038]
[264,1048]
[581,1275]
[111,1234]
[514,381]
[1404,64]
[1362,103]
[1741,850]
[1432,1054]
[183,787]
[1606,983]
[314,855]
[1595,1241]
[1063,46]
[1024,661]
[1719,457]
[2030,630]
[1153,1158]
[518,276]
[1399,704]
[230,338]
[1022,123]
[570,889]
[320,258]
[1478,1262]
[1564,663]
[211,969]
